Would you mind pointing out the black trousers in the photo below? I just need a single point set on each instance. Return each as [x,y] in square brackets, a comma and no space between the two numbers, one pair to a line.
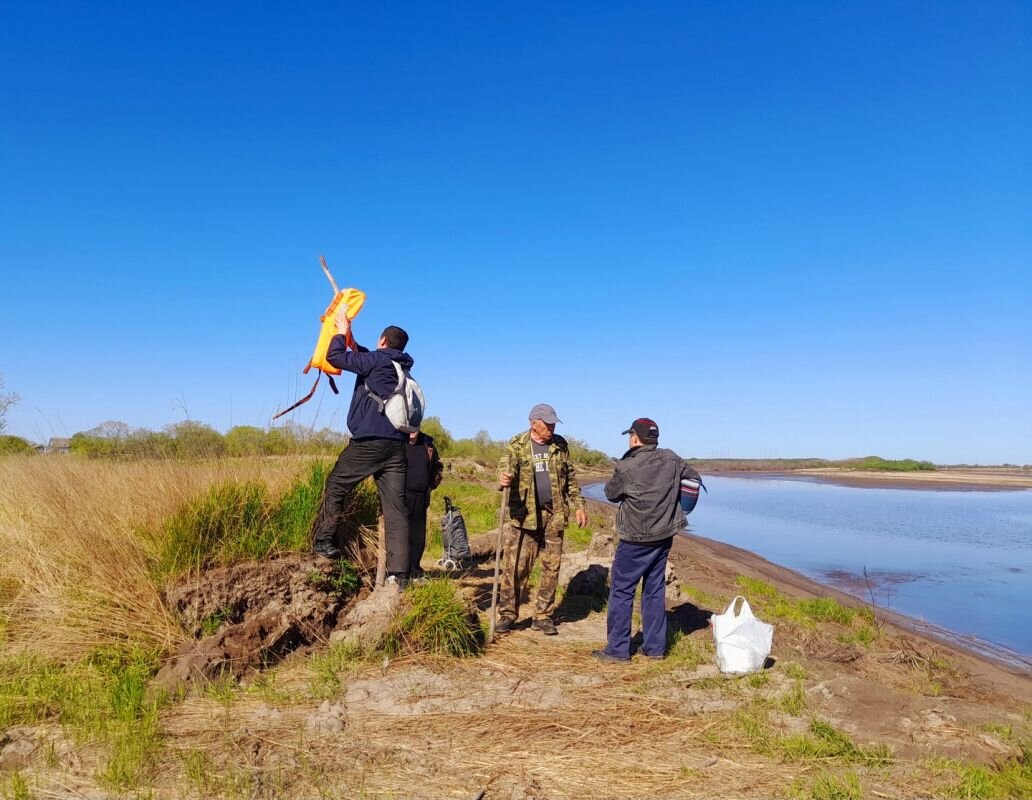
[384,460]
[415,503]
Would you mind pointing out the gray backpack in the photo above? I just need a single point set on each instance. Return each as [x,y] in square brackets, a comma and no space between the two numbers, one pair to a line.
[405,405]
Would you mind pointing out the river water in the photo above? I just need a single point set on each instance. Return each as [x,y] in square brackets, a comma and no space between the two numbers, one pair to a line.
[961,560]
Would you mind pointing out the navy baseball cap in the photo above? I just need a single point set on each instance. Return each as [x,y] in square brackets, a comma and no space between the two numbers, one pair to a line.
[645,428]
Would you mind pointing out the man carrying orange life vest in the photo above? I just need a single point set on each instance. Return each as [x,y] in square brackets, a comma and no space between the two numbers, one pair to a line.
[376,447]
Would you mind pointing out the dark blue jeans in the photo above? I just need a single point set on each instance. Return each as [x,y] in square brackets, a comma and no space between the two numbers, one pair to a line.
[634,563]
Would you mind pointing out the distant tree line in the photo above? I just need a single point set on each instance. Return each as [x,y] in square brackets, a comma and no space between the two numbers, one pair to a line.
[190,439]
[487,451]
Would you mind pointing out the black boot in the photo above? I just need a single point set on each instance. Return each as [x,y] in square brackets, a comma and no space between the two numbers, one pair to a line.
[326,548]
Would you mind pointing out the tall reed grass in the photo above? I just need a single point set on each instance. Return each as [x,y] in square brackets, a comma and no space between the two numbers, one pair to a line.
[77,568]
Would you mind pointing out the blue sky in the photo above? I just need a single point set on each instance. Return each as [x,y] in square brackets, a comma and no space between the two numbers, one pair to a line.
[785,229]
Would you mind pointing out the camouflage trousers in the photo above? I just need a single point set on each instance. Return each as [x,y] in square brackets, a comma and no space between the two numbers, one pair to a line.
[520,548]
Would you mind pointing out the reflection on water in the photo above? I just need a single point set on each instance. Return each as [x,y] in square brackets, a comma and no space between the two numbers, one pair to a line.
[960,560]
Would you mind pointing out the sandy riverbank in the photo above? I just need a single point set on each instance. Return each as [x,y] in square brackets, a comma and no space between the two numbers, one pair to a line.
[939,480]
[714,565]
[717,563]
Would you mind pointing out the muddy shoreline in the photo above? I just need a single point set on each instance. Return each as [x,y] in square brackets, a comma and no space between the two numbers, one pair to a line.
[1004,671]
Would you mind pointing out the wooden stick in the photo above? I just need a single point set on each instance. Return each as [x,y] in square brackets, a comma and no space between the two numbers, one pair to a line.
[498,559]
[326,269]
[381,551]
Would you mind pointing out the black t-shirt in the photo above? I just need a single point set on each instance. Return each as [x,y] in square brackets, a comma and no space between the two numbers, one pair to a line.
[418,478]
[542,481]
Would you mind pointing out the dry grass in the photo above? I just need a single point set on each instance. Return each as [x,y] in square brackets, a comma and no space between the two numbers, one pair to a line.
[566,739]
[74,571]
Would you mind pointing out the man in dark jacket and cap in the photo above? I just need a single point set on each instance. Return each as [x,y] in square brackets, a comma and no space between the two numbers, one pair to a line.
[425,472]
[647,485]
[376,447]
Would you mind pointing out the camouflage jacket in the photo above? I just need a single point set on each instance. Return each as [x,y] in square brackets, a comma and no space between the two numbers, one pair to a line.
[518,461]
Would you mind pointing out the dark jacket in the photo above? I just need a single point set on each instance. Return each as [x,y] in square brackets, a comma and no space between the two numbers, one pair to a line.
[430,471]
[647,484]
[365,420]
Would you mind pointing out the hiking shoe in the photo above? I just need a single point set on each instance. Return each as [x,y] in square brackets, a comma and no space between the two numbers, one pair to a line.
[397,582]
[327,551]
[602,655]
[651,657]
[546,626]
[503,625]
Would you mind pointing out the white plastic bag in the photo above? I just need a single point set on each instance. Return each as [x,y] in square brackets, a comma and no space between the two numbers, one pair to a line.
[743,641]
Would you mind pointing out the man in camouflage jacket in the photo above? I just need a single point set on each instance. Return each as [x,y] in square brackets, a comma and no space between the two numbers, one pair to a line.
[543,487]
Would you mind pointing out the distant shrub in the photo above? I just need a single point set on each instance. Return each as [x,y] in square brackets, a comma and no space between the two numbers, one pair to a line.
[433,428]
[15,445]
[190,439]
[582,454]
[245,440]
[877,463]
[195,440]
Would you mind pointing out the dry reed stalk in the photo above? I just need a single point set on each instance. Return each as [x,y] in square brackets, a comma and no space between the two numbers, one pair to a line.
[74,567]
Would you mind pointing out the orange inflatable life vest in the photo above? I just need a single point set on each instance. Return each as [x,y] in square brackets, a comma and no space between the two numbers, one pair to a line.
[352,300]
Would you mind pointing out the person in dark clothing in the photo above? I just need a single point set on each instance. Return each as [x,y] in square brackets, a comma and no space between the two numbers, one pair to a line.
[425,472]
[647,484]
[376,447]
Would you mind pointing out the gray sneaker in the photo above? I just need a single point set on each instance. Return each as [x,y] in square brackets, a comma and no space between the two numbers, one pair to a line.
[397,582]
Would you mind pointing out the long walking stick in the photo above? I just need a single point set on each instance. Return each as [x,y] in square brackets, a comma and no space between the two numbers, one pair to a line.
[498,559]
[381,550]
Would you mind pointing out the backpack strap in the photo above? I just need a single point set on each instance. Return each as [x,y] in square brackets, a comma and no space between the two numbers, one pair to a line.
[382,401]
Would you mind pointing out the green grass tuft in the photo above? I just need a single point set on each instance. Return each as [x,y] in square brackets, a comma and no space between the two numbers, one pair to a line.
[295,512]
[793,702]
[770,604]
[235,521]
[16,788]
[825,742]
[103,698]
[228,520]
[327,668]
[343,580]
[829,786]
[437,621]
[1009,779]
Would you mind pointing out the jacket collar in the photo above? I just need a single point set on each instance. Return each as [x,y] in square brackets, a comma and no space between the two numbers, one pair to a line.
[635,451]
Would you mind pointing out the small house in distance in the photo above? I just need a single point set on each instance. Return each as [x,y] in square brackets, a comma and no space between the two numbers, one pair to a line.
[58,445]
